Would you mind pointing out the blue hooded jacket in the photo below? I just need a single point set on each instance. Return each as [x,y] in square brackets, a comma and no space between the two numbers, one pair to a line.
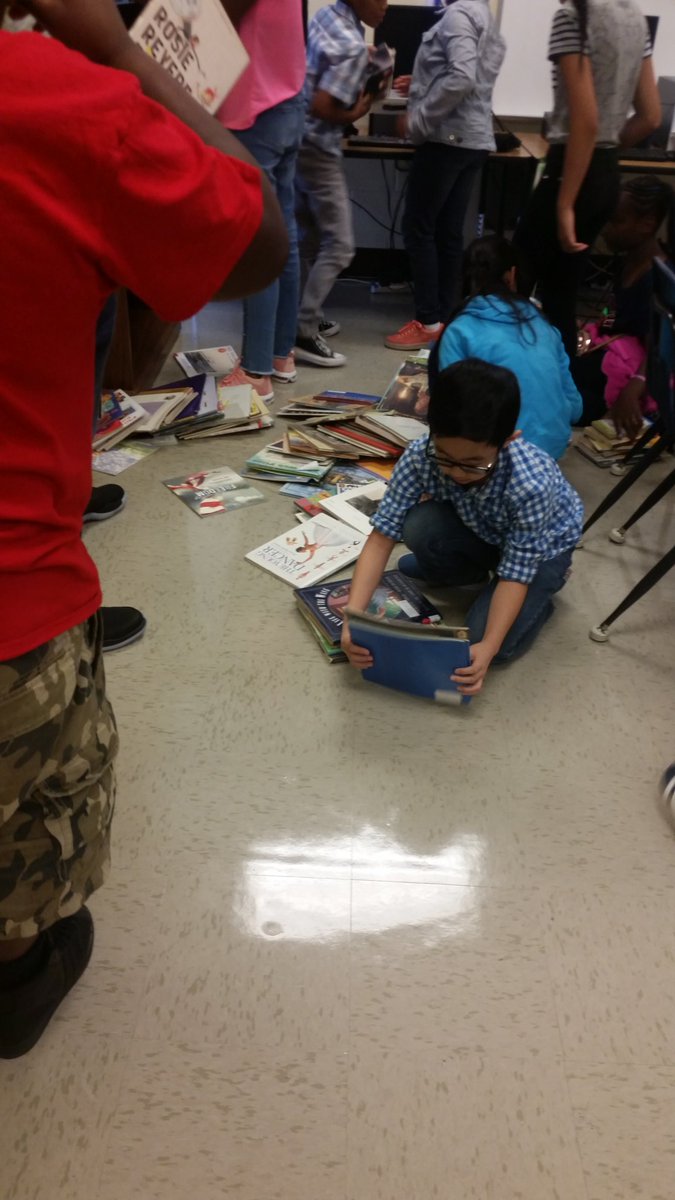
[490,328]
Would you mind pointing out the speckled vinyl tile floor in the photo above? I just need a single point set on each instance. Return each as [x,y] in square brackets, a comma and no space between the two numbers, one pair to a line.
[356,947]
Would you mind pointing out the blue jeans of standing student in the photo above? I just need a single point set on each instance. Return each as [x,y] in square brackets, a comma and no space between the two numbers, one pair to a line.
[448,552]
[270,316]
[440,186]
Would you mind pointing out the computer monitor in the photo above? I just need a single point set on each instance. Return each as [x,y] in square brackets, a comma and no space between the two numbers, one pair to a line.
[402,28]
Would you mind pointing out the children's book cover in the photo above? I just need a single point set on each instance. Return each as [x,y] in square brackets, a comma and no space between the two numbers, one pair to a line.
[196,43]
[215,360]
[217,491]
[357,506]
[396,597]
[408,392]
[310,552]
[418,659]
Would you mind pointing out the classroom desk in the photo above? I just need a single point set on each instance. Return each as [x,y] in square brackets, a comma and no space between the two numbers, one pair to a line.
[533,145]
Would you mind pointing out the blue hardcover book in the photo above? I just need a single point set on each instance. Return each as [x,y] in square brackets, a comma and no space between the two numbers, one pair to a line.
[418,659]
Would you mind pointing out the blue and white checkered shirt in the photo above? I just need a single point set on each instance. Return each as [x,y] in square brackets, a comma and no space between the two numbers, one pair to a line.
[526,506]
[337,57]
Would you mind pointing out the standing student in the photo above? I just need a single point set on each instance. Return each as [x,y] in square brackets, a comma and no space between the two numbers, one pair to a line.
[265,109]
[601,56]
[500,326]
[337,61]
[449,119]
[102,187]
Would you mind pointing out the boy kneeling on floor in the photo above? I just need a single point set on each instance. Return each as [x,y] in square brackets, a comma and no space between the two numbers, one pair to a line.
[474,503]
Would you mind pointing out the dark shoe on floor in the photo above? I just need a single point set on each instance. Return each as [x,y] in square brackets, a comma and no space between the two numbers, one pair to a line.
[121,627]
[106,501]
[668,793]
[27,1007]
[328,328]
[317,352]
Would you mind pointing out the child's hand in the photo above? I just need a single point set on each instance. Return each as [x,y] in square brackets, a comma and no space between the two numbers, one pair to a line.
[362,106]
[402,84]
[567,232]
[470,679]
[627,410]
[358,656]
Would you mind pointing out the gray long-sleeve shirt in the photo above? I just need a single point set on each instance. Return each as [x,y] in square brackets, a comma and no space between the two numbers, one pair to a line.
[454,75]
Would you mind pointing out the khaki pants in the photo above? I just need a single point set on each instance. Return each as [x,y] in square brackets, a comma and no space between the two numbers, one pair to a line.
[58,742]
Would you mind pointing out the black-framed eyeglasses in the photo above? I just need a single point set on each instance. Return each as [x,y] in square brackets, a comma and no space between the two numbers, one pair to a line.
[441,460]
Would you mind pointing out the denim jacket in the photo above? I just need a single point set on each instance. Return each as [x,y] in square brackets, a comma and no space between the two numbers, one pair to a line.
[454,74]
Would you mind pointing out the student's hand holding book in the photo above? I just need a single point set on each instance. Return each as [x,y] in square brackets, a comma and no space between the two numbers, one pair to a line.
[470,680]
[358,656]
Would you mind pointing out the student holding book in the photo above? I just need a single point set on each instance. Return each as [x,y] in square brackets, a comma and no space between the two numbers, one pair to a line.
[470,500]
[501,326]
[602,65]
[101,187]
[335,97]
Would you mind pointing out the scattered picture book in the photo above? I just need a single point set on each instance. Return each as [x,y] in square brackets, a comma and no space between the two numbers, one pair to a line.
[310,552]
[273,465]
[395,597]
[119,415]
[217,491]
[328,403]
[408,392]
[196,43]
[216,360]
[357,506]
[113,462]
[418,659]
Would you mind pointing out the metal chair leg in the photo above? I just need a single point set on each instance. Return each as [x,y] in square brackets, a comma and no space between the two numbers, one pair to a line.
[628,480]
[599,633]
[619,535]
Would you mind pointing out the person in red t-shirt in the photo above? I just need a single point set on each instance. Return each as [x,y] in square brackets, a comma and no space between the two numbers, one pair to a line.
[101,187]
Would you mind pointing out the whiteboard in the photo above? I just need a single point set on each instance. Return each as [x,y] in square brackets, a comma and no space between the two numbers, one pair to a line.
[524,85]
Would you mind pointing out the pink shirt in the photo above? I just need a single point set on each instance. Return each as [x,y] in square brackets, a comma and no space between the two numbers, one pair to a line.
[273,36]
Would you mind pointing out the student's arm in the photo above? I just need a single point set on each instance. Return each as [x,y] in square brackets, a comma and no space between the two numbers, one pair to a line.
[577,79]
[237,9]
[507,601]
[327,108]
[369,571]
[626,412]
[95,28]
[450,88]
[647,103]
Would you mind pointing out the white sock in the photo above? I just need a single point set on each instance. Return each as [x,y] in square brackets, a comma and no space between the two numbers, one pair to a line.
[432,328]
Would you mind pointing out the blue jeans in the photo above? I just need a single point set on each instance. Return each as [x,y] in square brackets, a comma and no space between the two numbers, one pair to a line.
[448,552]
[270,317]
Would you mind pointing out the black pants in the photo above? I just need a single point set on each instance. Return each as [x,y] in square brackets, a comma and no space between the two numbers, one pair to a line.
[559,274]
[588,376]
[440,186]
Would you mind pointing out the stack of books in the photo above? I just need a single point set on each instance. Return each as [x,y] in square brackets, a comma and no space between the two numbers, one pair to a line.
[276,466]
[603,446]
[120,414]
[329,404]
[396,598]
[370,435]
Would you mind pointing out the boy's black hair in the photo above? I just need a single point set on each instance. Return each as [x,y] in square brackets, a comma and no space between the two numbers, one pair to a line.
[475,400]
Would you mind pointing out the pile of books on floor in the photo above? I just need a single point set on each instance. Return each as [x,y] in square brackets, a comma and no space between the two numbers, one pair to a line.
[603,446]
[396,598]
[275,465]
[329,404]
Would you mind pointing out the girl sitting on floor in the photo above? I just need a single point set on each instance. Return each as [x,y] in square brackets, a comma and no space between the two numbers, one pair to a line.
[501,327]
[611,373]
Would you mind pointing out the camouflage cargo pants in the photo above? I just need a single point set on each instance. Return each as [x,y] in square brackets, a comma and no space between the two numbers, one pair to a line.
[58,742]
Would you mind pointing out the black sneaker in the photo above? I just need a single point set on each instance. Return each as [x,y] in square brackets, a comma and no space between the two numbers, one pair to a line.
[27,1008]
[315,351]
[121,627]
[106,501]
[328,328]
